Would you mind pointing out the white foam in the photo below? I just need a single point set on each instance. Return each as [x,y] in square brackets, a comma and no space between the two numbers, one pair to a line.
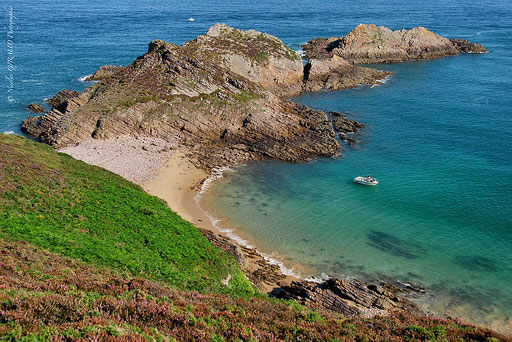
[323,277]
[218,173]
[83,78]
[10,132]
[380,82]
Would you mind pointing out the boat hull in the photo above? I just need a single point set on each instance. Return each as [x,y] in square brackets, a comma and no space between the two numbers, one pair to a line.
[363,181]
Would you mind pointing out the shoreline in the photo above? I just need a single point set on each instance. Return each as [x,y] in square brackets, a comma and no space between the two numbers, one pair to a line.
[181,184]
[166,172]
[175,179]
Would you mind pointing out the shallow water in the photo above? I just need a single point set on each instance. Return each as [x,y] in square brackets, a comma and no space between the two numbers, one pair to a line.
[441,215]
[437,138]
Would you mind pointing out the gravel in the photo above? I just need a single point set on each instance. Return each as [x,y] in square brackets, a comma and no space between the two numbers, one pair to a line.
[135,159]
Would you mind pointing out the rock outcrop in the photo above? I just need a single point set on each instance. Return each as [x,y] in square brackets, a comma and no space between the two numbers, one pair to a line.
[464,46]
[104,72]
[367,44]
[221,96]
[350,298]
[344,125]
[34,107]
[335,73]
[257,56]
[179,93]
[60,100]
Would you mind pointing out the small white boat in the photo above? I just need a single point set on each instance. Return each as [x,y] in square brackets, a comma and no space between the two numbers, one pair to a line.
[365,180]
[191,19]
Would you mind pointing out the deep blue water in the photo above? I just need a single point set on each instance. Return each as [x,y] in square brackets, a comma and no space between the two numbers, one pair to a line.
[437,138]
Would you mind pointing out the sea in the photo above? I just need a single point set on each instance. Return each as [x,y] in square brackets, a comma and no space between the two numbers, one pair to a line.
[438,139]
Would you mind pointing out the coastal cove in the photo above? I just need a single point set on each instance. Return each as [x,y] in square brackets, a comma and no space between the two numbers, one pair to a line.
[435,219]
[241,137]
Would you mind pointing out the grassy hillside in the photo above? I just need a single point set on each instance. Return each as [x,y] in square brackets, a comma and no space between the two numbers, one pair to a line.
[46,297]
[81,211]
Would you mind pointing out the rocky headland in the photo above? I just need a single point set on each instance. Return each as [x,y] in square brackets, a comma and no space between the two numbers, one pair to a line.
[220,100]
[221,96]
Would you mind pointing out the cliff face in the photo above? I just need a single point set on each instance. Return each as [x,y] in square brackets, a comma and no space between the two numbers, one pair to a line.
[368,44]
[191,94]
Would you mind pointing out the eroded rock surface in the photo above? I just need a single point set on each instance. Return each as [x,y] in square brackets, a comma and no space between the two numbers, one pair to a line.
[34,107]
[350,298]
[335,73]
[259,57]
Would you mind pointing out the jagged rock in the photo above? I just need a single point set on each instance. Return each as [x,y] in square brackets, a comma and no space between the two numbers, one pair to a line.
[368,44]
[61,98]
[33,107]
[343,124]
[257,56]
[468,47]
[350,298]
[32,126]
[104,72]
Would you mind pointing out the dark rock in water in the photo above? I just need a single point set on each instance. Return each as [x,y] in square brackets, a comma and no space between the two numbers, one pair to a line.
[476,263]
[343,124]
[393,245]
[60,100]
[468,47]
[350,298]
[33,107]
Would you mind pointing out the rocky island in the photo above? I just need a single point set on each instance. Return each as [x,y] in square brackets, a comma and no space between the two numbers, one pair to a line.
[220,99]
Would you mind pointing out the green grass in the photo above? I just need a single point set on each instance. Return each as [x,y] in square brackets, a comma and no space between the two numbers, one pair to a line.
[81,211]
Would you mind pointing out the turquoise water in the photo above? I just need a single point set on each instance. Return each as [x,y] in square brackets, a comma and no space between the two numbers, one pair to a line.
[437,137]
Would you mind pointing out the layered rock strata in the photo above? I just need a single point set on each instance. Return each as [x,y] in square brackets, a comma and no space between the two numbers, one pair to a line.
[349,298]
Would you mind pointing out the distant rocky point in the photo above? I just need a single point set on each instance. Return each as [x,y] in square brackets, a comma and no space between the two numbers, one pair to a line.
[367,44]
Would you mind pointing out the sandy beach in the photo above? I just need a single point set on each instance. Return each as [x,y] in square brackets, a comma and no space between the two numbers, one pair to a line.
[164,171]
